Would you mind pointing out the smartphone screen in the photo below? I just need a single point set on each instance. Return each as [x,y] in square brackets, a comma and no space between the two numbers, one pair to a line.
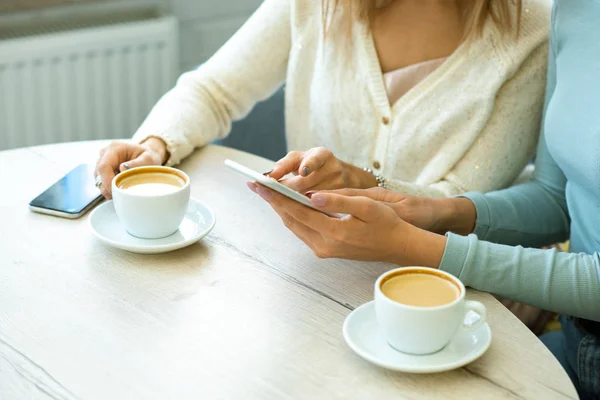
[70,195]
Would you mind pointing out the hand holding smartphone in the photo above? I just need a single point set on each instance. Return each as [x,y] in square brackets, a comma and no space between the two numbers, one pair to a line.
[275,185]
[75,194]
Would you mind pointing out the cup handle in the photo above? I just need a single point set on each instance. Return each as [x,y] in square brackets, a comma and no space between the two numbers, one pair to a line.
[478,308]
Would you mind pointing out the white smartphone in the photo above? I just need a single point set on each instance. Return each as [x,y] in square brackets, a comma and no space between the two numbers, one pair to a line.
[275,185]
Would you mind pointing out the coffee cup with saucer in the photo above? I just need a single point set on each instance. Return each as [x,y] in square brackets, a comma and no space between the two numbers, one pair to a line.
[419,322]
[151,212]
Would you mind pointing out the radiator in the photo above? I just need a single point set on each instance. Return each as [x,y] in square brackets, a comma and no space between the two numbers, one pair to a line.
[84,80]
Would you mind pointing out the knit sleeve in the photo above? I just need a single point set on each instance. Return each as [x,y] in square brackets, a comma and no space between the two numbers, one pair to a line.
[512,127]
[249,68]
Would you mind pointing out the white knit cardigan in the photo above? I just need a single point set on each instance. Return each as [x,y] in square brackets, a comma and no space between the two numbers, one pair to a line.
[470,125]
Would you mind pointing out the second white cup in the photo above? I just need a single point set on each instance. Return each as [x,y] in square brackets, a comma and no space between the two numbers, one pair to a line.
[151,201]
[419,329]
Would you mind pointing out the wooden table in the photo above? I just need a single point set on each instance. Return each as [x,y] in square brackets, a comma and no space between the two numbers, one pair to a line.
[247,313]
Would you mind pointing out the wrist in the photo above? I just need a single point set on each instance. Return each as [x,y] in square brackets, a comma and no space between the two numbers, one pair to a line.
[360,179]
[158,146]
[418,247]
[457,215]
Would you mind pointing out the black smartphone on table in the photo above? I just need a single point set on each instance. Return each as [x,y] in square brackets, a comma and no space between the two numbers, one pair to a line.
[72,196]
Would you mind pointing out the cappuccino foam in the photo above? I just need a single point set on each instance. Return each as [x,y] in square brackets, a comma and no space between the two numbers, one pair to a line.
[420,289]
[152,184]
[152,189]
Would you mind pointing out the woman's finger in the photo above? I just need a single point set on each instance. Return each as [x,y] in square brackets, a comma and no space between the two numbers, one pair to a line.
[294,215]
[145,158]
[320,182]
[106,169]
[376,193]
[302,184]
[310,237]
[363,208]
[314,160]
[111,162]
[283,203]
[325,177]
[328,227]
[287,165]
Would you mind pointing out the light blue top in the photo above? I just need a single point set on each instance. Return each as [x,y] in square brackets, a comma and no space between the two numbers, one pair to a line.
[563,198]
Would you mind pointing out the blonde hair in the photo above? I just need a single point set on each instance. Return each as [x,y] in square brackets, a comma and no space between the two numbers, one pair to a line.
[476,13]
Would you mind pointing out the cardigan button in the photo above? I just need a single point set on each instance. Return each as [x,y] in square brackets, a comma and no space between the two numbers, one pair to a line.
[385,120]
[376,165]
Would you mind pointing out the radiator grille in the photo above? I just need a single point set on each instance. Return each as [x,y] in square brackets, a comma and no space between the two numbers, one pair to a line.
[89,83]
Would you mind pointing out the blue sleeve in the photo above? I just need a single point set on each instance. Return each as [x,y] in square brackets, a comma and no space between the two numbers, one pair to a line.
[566,283]
[531,214]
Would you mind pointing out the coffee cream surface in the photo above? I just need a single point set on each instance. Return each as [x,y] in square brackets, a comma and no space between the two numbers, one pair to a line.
[420,290]
[152,184]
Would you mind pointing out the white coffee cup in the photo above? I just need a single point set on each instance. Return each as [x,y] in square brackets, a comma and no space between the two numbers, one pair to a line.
[424,329]
[152,211]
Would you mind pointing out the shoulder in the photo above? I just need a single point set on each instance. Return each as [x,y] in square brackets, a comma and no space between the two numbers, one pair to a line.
[535,20]
[531,42]
[304,11]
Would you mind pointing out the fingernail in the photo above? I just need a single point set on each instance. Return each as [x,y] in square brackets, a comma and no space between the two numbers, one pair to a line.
[310,193]
[306,171]
[319,200]
[267,173]
[251,186]
[126,165]
[264,193]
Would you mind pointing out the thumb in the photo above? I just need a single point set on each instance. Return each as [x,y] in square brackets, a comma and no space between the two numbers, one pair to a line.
[377,194]
[139,161]
[360,207]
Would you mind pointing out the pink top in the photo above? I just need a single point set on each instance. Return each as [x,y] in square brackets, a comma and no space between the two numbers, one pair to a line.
[401,80]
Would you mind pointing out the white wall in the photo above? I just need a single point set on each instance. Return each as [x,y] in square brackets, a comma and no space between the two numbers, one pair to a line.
[204,24]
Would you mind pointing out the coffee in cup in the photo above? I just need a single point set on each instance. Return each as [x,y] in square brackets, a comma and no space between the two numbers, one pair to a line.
[420,290]
[421,309]
[151,201]
[152,184]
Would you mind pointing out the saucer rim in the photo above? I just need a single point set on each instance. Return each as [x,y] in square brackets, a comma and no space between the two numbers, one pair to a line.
[149,248]
[428,369]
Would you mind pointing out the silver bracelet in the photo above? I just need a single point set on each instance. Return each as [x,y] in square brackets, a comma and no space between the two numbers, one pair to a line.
[381,181]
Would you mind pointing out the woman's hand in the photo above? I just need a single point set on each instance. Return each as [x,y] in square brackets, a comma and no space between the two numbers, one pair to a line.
[439,215]
[119,156]
[319,169]
[371,231]
[421,212]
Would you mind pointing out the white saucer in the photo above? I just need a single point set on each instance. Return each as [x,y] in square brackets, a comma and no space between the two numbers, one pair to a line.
[362,334]
[197,223]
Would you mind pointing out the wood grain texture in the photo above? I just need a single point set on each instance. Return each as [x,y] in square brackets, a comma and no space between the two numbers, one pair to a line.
[249,312]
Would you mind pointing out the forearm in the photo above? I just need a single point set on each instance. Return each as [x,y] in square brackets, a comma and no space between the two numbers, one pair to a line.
[205,101]
[529,215]
[526,215]
[561,282]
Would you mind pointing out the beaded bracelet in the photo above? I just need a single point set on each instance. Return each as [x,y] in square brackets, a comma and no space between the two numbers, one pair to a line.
[381,181]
